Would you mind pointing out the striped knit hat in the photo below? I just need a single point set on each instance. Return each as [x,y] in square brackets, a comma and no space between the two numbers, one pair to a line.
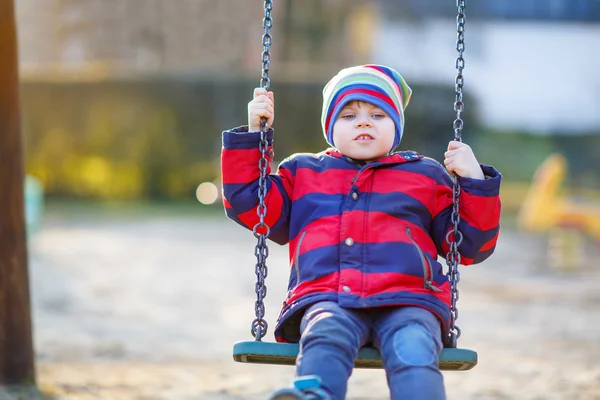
[376,84]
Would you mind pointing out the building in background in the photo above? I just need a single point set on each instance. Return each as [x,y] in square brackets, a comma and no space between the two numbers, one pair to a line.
[79,36]
[183,36]
[532,64]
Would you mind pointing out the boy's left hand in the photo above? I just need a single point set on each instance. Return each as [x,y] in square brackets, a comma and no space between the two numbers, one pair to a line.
[460,159]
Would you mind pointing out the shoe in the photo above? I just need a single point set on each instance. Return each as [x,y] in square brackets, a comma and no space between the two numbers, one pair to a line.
[305,388]
[288,394]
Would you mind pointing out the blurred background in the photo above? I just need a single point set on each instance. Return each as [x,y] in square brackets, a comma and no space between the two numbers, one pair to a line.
[133,262]
[127,99]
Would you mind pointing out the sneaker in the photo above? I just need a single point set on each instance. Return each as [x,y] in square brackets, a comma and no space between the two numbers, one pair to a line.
[305,388]
[288,394]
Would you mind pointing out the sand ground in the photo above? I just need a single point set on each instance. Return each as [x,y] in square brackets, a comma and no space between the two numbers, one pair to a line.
[147,307]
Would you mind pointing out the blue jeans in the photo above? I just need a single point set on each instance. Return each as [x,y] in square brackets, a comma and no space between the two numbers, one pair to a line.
[409,339]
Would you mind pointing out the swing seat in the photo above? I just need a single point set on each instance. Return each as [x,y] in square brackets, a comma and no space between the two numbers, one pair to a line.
[254,352]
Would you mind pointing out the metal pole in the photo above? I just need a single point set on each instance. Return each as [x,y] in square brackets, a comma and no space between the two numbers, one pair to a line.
[16,348]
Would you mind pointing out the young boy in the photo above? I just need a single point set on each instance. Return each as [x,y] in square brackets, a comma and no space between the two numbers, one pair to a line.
[365,226]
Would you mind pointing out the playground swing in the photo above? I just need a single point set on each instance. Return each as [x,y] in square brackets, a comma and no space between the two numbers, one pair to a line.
[259,352]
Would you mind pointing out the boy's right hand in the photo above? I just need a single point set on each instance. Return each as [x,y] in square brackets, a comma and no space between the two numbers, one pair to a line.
[260,107]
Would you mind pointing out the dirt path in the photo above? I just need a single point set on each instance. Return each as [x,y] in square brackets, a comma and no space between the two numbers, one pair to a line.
[148,308]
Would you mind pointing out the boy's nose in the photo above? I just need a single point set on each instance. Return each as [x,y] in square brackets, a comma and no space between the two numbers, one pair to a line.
[362,122]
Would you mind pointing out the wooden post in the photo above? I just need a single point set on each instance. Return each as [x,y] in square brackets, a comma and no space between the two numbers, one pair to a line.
[16,348]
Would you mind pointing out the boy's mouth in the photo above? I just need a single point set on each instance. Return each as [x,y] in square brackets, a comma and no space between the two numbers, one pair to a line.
[363,136]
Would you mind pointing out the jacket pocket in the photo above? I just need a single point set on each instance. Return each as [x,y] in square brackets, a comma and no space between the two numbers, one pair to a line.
[297,257]
[427,270]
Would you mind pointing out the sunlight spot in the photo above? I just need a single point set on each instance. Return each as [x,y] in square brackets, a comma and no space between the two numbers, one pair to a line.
[207,193]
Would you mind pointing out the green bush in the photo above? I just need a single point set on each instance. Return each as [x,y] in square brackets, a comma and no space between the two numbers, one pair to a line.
[158,138]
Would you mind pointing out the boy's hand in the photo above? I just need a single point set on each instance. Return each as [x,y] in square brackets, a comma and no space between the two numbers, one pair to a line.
[260,107]
[460,159]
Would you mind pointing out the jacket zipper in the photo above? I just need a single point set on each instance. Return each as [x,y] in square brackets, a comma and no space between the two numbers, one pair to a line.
[427,271]
[297,255]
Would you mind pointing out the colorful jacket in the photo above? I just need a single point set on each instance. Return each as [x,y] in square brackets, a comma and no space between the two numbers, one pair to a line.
[362,235]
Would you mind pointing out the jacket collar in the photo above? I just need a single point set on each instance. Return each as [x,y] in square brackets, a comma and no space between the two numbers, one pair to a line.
[398,157]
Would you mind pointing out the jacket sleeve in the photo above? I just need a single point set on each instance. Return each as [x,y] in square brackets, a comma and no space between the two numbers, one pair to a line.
[479,214]
[240,175]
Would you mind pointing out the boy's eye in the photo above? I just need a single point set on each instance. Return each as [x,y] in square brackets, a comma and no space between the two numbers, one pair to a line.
[378,116]
[348,116]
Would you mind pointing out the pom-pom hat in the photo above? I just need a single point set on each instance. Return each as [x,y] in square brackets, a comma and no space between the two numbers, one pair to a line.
[376,84]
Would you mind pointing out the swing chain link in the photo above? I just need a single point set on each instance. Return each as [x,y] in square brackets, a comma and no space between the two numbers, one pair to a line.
[261,230]
[267,39]
[454,237]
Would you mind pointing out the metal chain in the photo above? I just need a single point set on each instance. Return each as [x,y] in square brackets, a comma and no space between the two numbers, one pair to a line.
[453,256]
[261,230]
[261,251]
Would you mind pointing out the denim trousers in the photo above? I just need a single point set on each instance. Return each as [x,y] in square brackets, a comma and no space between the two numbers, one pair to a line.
[408,338]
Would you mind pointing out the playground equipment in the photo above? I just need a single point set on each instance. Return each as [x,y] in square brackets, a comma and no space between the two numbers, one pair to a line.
[16,344]
[257,351]
[34,204]
[567,219]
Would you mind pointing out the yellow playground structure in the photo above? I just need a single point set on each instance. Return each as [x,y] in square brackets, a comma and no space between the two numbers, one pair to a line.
[568,220]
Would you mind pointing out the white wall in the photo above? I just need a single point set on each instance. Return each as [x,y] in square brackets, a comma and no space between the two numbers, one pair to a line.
[542,77]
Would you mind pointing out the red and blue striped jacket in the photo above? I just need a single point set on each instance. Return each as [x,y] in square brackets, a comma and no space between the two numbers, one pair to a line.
[360,234]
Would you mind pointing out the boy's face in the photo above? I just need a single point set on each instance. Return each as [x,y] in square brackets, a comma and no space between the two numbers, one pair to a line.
[363,131]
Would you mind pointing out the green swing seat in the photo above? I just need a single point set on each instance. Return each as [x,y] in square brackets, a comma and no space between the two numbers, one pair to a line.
[255,352]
